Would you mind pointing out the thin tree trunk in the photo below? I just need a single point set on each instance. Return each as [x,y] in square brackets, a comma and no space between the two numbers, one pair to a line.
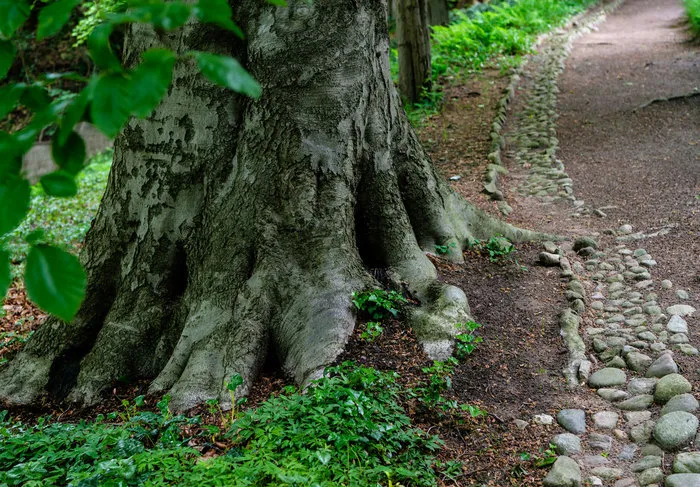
[413,34]
[439,12]
[234,229]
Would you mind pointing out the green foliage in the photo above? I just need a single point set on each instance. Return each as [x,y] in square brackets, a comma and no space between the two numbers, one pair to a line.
[94,13]
[378,303]
[443,249]
[498,247]
[109,97]
[372,332]
[692,9]
[440,381]
[465,343]
[347,429]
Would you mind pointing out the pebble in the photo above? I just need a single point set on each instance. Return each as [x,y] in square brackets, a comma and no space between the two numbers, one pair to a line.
[626,482]
[625,229]
[607,377]
[549,260]
[542,419]
[683,480]
[567,444]
[687,462]
[682,294]
[634,418]
[641,433]
[681,402]
[640,385]
[687,349]
[608,473]
[636,403]
[652,450]
[662,366]
[564,473]
[572,420]
[680,310]
[651,476]
[650,461]
[612,395]
[671,385]
[520,424]
[666,284]
[605,419]
[597,441]
[675,430]
[628,451]
[583,242]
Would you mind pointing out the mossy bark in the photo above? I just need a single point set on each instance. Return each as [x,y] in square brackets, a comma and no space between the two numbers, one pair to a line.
[233,229]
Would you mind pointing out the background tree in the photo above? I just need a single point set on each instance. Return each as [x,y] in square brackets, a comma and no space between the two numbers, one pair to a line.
[439,12]
[413,36]
[235,229]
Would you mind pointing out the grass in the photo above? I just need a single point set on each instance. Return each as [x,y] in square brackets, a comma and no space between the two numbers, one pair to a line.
[692,8]
[496,34]
[65,221]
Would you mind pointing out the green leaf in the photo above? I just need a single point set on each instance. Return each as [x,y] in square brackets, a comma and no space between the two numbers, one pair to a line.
[227,72]
[217,12]
[8,51]
[160,15]
[5,274]
[59,183]
[73,115]
[14,202]
[101,50]
[55,281]
[13,13]
[9,97]
[278,3]
[111,103]
[70,156]
[150,81]
[53,17]
[35,97]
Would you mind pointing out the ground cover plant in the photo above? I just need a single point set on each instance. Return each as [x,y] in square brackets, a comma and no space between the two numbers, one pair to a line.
[498,33]
[692,8]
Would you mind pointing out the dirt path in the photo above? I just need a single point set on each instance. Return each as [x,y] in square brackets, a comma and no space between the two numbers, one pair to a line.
[609,150]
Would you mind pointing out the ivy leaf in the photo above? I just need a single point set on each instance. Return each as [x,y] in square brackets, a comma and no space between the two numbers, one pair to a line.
[227,72]
[14,202]
[217,12]
[150,81]
[8,51]
[73,115]
[60,184]
[10,157]
[69,155]
[9,97]
[13,13]
[5,274]
[55,281]
[53,17]
[101,50]
[111,103]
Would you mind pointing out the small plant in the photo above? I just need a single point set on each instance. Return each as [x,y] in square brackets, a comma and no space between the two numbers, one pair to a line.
[372,332]
[465,343]
[549,456]
[440,380]
[378,303]
[443,249]
[498,247]
[474,411]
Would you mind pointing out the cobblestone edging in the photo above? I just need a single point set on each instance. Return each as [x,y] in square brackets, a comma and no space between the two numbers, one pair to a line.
[650,411]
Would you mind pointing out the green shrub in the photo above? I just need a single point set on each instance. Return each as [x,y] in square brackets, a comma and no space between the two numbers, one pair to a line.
[692,8]
[378,303]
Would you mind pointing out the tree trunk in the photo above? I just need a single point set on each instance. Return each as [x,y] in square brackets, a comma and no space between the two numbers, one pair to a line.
[233,230]
[439,12]
[413,35]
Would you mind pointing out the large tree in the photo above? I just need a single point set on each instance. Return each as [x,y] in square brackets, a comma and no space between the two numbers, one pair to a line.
[235,229]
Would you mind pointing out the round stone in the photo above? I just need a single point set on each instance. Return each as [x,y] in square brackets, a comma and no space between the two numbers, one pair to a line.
[647,462]
[662,366]
[636,403]
[612,395]
[651,476]
[681,402]
[666,284]
[680,310]
[605,420]
[642,432]
[607,377]
[542,419]
[572,420]
[567,444]
[687,462]
[564,473]
[671,385]
[683,480]
[640,385]
[675,430]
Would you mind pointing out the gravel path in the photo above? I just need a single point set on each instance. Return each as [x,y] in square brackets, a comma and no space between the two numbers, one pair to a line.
[609,149]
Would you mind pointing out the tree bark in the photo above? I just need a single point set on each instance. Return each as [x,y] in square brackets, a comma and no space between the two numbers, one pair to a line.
[439,12]
[413,35]
[233,230]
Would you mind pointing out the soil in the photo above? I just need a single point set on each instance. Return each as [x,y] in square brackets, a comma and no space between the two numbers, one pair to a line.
[642,162]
